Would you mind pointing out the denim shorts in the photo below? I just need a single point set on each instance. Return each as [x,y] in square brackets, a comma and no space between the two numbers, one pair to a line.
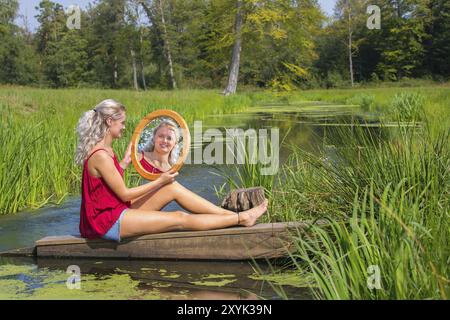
[114,233]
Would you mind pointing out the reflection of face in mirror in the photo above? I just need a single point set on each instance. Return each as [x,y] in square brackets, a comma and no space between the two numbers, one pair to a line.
[159,145]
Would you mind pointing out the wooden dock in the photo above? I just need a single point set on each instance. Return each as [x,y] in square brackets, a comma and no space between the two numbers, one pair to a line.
[262,241]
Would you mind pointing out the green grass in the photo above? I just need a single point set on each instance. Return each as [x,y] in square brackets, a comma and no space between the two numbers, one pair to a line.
[398,221]
[436,106]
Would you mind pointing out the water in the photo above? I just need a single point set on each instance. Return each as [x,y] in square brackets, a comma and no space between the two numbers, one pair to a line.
[308,126]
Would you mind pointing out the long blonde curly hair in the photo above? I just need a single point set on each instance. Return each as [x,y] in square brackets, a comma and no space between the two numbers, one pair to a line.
[92,126]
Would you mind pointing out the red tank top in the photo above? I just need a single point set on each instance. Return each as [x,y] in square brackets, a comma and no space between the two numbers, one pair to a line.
[148,166]
[100,207]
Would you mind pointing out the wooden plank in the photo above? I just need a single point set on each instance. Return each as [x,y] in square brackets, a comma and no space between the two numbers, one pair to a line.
[21,252]
[238,243]
[259,228]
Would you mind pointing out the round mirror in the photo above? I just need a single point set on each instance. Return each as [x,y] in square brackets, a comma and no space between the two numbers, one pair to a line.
[160,143]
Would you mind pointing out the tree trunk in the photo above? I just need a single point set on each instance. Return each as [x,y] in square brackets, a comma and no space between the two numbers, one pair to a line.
[236,55]
[167,46]
[133,58]
[144,84]
[350,54]
[115,75]
[142,63]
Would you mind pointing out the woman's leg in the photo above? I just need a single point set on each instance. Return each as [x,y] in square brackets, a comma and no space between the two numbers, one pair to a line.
[187,199]
[138,222]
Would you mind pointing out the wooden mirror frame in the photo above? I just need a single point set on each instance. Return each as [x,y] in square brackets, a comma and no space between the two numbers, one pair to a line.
[137,134]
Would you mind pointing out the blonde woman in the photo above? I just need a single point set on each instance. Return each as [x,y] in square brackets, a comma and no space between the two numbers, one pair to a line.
[159,154]
[111,210]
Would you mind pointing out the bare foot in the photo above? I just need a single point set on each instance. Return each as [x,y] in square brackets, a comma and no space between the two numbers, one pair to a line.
[248,218]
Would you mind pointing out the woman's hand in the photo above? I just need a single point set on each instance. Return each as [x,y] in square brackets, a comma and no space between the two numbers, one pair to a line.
[126,158]
[167,177]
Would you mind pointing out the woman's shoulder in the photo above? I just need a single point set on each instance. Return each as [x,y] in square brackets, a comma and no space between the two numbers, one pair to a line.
[95,158]
[150,161]
[98,155]
[101,152]
[147,155]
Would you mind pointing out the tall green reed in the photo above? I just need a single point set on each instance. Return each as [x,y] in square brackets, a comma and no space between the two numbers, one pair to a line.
[386,237]
[393,196]
[248,170]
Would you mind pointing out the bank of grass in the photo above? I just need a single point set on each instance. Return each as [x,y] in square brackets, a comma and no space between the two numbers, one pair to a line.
[396,223]
[387,200]
[38,138]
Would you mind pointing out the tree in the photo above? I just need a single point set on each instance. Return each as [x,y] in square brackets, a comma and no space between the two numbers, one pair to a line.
[350,15]
[284,28]
[109,38]
[63,52]
[400,40]
[236,54]
[155,13]
[66,60]
[288,30]
[17,55]
[437,44]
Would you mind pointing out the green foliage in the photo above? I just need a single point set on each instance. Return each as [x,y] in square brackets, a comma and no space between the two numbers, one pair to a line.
[408,106]
[388,237]
[66,60]
[399,222]
[437,45]
[335,80]
[365,101]
[17,56]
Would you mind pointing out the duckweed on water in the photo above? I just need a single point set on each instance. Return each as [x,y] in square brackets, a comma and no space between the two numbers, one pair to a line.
[158,284]
[110,287]
[10,288]
[213,283]
[123,271]
[220,283]
[293,278]
[172,276]
[148,269]
[9,269]
[218,276]
[28,282]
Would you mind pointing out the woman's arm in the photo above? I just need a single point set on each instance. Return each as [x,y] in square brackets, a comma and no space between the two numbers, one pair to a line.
[104,164]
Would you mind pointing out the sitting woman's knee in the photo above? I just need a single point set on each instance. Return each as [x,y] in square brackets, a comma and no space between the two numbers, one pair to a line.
[181,218]
[171,187]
